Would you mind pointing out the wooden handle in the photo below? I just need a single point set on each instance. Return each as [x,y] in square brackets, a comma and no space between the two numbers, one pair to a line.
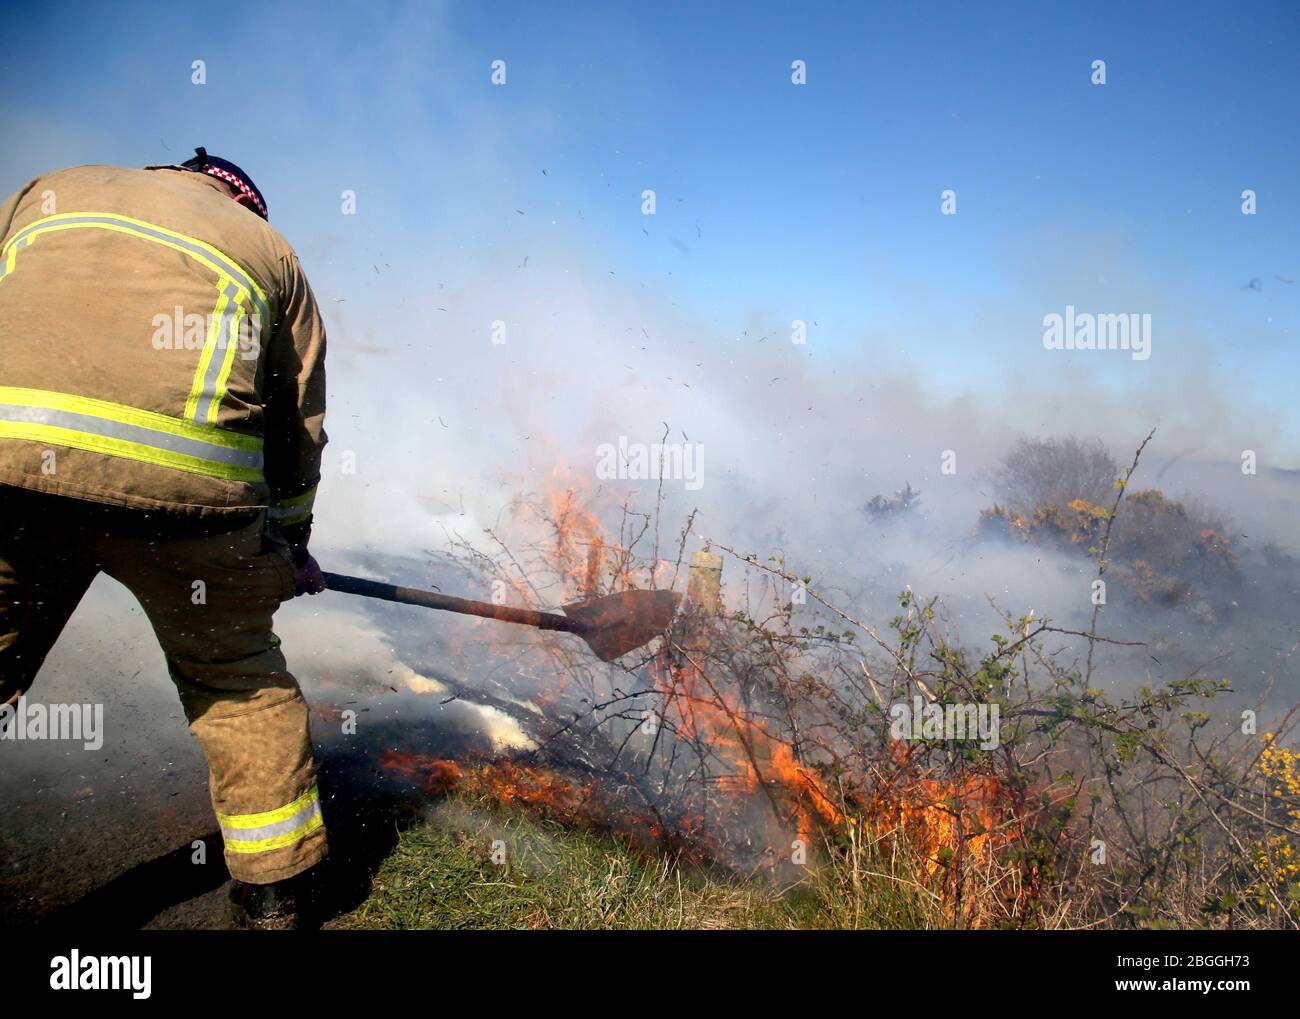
[431,600]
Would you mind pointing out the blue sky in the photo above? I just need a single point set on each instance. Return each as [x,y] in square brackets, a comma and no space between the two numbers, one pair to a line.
[775,202]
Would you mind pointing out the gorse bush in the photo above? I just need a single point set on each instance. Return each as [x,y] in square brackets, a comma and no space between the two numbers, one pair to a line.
[765,739]
[1058,493]
[1053,472]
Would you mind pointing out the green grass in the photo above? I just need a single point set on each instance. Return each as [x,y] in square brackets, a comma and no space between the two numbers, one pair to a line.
[442,875]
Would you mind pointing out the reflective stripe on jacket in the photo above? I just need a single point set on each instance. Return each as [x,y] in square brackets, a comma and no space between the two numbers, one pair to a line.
[160,347]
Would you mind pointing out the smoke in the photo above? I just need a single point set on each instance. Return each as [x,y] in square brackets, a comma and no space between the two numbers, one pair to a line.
[443,427]
[495,318]
[435,429]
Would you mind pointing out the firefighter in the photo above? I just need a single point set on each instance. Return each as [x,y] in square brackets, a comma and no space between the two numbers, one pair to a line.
[162,395]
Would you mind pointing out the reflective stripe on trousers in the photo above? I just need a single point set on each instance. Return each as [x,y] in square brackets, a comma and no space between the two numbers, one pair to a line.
[272,829]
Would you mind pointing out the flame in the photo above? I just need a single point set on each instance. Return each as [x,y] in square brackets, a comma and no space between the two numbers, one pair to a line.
[579,551]
[506,782]
[575,551]
[751,763]
[751,767]
[944,818]
[436,776]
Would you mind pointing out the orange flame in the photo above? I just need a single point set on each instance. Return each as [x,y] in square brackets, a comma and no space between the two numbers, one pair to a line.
[749,765]
[505,781]
[754,762]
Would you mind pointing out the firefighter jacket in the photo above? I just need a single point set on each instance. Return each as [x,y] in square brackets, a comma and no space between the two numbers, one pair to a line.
[160,349]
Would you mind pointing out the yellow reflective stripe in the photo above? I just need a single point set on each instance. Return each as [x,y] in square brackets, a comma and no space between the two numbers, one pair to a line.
[232,344]
[205,355]
[124,228]
[127,415]
[294,510]
[277,841]
[272,829]
[270,816]
[214,258]
[211,344]
[98,426]
[126,450]
[209,386]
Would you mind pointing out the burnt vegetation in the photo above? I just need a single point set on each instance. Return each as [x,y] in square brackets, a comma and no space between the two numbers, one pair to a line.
[753,740]
[1164,551]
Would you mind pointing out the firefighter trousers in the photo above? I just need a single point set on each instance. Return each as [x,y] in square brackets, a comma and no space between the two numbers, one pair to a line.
[210,599]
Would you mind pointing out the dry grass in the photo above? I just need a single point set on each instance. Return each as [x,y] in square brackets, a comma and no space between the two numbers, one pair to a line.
[444,875]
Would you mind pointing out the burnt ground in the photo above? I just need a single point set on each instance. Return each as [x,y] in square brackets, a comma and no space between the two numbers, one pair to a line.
[124,863]
[105,838]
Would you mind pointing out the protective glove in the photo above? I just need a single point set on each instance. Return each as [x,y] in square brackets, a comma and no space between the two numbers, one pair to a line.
[307,575]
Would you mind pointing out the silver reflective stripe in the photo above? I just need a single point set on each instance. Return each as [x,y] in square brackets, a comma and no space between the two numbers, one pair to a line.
[228,267]
[131,433]
[270,831]
[206,408]
[292,507]
[21,242]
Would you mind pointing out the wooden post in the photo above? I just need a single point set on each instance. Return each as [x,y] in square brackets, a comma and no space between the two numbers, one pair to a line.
[704,586]
[591,578]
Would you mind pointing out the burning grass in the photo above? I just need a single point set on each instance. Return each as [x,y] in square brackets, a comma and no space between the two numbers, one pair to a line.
[546,794]
[755,743]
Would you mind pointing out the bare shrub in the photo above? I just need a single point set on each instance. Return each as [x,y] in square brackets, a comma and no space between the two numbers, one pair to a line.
[1053,472]
[906,501]
[744,737]
[1165,551]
